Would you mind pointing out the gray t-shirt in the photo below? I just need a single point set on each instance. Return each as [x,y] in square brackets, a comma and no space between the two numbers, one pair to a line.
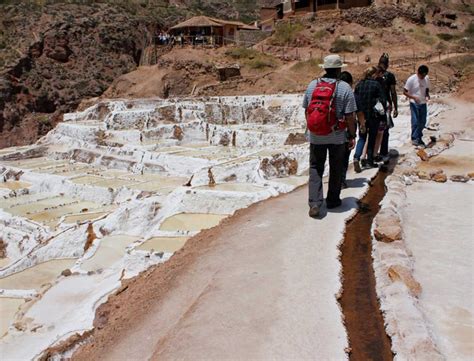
[345,104]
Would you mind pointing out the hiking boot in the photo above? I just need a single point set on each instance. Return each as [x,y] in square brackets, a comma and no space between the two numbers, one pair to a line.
[418,143]
[314,212]
[378,159]
[331,205]
[357,167]
[370,164]
[363,163]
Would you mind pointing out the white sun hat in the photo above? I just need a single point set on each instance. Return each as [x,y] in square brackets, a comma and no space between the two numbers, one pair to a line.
[332,61]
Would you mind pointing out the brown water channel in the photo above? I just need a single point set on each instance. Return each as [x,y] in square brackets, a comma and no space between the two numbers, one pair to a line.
[363,318]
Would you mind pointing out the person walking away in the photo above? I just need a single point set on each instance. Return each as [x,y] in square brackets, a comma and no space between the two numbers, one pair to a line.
[392,99]
[347,77]
[367,93]
[417,89]
[329,110]
[383,116]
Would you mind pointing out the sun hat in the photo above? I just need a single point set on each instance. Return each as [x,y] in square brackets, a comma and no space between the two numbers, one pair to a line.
[333,61]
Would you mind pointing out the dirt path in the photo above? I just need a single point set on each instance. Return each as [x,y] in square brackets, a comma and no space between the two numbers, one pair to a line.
[261,286]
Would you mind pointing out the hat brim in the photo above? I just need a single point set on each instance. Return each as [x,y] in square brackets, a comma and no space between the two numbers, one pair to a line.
[332,67]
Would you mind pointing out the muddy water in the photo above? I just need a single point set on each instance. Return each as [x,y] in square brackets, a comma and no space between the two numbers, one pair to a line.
[457,160]
[295,181]
[8,308]
[112,183]
[14,185]
[363,319]
[39,206]
[163,244]
[51,217]
[89,216]
[36,276]
[88,179]
[110,251]
[234,187]
[4,262]
[191,221]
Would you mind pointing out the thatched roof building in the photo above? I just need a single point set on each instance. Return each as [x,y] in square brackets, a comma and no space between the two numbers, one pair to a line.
[210,30]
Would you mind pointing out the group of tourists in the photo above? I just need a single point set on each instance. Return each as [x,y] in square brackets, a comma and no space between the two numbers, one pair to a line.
[334,112]
[165,39]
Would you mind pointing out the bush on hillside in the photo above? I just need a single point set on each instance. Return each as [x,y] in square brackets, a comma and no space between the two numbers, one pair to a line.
[310,66]
[448,37]
[463,65]
[242,53]
[346,46]
[470,29]
[424,36]
[252,58]
[286,33]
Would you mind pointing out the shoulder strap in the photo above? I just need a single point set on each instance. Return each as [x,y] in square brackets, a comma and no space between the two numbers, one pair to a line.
[332,101]
[315,87]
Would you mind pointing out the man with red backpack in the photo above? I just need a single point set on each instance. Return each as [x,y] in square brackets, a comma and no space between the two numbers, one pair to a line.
[330,109]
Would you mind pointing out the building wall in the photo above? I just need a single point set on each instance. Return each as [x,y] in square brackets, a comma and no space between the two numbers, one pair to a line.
[268,13]
[331,4]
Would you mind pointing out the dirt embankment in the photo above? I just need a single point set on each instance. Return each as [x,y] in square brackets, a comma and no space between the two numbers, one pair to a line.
[290,58]
[56,56]
[63,54]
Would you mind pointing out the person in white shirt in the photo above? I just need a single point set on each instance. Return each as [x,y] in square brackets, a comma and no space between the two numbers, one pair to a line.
[417,89]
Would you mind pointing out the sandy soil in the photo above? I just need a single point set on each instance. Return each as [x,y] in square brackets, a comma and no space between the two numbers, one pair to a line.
[262,285]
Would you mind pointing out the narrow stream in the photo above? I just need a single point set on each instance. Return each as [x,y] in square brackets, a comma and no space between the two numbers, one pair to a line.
[363,318]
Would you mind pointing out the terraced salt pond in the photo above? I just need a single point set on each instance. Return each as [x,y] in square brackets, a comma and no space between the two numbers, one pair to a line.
[191,222]
[109,194]
[14,185]
[232,187]
[111,250]
[8,308]
[163,244]
[35,277]
[4,262]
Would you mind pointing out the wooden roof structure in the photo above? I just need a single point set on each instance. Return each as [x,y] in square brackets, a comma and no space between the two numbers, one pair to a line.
[206,21]
[197,21]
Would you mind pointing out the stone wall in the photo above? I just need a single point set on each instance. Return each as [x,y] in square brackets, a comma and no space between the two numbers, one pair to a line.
[251,37]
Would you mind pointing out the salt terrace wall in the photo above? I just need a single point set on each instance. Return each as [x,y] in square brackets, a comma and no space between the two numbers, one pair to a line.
[121,186]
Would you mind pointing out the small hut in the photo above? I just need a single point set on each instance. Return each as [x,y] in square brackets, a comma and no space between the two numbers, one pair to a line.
[209,31]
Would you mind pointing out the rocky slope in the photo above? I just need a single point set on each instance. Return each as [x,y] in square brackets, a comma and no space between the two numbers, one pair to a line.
[54,56]
[63,54]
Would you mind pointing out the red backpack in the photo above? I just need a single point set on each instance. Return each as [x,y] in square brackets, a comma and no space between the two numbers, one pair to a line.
[321,115]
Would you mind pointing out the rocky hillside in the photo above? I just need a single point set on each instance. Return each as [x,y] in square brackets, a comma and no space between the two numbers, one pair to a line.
[53,54]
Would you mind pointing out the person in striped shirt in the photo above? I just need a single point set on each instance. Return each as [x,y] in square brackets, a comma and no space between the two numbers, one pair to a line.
[333,143]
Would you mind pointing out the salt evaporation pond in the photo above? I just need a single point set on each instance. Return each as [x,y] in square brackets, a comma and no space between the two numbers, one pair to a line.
[8,309]
[14,185]
[163,244]
[36,276]
[232,187]
[122,172]
[191,221]
[110,251]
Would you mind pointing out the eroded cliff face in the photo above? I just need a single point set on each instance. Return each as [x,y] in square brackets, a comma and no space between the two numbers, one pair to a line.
[52,57]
